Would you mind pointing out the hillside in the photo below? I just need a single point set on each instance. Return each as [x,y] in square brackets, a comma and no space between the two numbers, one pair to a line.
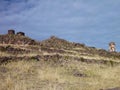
[16,39]
[55,64]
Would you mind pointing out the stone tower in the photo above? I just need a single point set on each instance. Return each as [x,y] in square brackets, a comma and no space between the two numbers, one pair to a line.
[11,32]
[112,47]
[21,33]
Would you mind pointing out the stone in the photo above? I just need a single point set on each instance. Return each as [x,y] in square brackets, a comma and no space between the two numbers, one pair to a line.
[21,33]
[11,32]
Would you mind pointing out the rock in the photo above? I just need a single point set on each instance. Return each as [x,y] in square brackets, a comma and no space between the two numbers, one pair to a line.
[21,33]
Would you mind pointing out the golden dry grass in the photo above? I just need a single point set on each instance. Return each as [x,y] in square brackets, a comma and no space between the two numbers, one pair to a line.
[41,75]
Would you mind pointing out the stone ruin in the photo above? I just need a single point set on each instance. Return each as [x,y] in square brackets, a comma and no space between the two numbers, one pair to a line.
[21,33]
[11,32]
[112,47]
[16,38]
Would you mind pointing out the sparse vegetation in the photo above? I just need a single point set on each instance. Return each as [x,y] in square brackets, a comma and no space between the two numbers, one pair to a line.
[32,75]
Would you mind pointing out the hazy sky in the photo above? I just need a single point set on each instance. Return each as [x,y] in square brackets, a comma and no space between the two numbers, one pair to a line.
[92,22]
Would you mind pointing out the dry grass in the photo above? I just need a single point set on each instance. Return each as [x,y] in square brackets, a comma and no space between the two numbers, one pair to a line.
[41,75]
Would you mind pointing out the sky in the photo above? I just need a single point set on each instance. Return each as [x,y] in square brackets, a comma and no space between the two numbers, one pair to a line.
[94,23]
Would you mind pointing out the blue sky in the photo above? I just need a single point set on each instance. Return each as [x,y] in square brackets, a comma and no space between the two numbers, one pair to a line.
[92,22]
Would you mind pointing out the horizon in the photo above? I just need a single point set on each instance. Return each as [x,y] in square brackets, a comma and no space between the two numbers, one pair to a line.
[94,23]
[56,37]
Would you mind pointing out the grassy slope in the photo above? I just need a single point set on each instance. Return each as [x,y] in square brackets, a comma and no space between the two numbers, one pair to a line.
[33,75]
[69,72]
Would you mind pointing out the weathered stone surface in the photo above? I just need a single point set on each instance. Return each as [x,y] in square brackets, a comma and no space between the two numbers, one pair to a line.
[11,32]
[21,33]
[14,58]
[52,50]
[12,50]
